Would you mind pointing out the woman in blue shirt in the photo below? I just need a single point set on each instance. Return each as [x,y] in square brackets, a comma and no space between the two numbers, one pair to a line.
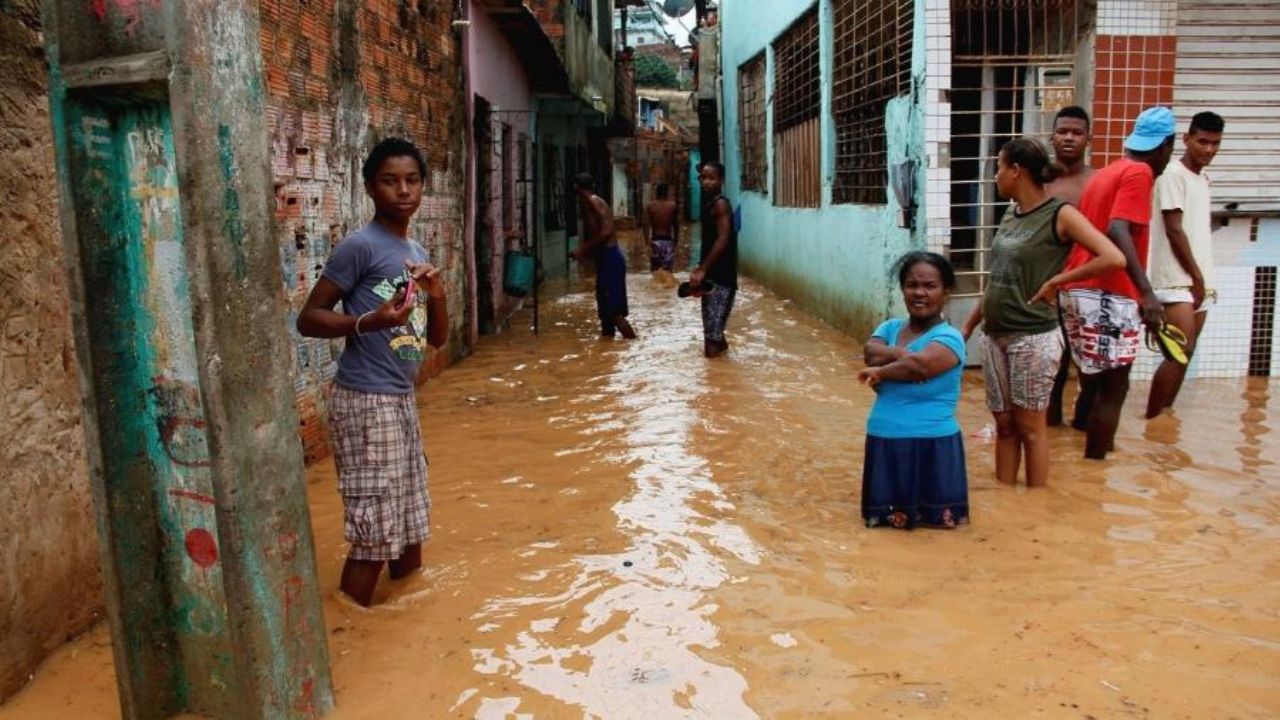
[914,472]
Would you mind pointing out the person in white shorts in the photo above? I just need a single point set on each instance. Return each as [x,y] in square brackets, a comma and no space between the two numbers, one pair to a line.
[1181,262]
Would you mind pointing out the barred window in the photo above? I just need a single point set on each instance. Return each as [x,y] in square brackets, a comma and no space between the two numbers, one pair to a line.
[554,183]
[751,127]
[797,104]
[871,65]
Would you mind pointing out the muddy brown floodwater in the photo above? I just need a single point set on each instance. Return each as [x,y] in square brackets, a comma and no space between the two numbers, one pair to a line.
[624,530]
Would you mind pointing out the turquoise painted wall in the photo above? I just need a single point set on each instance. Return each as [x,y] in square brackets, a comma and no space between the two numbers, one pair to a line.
[834,260]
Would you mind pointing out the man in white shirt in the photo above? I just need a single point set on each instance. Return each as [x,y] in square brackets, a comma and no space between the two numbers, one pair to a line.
[1181,261]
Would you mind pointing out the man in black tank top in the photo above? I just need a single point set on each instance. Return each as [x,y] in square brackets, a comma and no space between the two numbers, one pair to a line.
[718,263]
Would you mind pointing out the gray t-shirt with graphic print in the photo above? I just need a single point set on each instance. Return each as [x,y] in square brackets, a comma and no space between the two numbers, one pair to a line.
[366,266]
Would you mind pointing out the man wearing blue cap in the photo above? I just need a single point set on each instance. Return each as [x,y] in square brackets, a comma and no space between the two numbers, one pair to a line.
[1104,316]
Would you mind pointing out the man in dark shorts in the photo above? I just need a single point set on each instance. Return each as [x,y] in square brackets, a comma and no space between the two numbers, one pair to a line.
[1070,140]
[662,230]
[393,306]
[599,242]
[718,263]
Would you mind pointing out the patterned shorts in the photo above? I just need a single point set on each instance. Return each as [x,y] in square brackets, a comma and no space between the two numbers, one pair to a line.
[662,254]
[1020,369]
[1104,330]
[716,306]
[382,471]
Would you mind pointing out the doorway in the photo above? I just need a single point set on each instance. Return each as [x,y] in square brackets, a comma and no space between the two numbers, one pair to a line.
[484,225]
[1013,66]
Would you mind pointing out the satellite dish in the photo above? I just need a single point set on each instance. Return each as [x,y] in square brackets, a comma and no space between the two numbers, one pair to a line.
[677,8]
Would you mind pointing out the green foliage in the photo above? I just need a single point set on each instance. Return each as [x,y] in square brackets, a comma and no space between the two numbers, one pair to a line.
[653,71]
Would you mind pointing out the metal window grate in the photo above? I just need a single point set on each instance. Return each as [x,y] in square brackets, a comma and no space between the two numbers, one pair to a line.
[1013,67]
[751,125]
[1264,321]
[555,183]
[797,103]
[872,65]
[797,93]
[1027,29]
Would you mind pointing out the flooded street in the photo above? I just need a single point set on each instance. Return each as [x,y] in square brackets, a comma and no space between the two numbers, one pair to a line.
[625,530]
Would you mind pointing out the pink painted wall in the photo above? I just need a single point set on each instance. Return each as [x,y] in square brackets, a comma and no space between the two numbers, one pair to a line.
[498,75]
[496,72]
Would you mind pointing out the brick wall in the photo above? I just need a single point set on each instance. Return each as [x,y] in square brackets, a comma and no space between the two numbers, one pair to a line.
[550,14]
[1134,59]
[341,76]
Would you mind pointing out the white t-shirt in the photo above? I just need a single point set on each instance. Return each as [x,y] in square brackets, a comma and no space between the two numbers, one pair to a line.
[1178,188]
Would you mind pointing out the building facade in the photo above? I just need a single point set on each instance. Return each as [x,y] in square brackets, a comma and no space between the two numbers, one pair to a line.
[643,26]
[996,72]
[944,84]
[573,121]
[501,192]
[819,102]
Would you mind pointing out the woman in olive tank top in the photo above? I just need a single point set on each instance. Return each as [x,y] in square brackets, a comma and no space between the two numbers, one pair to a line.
[1021,344]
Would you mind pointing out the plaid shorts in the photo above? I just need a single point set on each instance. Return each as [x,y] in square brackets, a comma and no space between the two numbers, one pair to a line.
[1104,330]
[382,471]
[1019,370]
[716,306]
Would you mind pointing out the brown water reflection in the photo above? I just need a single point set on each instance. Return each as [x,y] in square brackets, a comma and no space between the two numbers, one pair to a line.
[624,530]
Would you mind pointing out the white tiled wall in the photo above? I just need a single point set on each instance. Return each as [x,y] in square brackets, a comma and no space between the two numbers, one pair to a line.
[1137,17]
[1225,344]
[938,123]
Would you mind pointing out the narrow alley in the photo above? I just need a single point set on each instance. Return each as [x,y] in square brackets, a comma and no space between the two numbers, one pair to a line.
[625,530]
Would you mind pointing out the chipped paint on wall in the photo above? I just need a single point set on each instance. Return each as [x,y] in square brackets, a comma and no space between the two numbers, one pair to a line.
[137,276]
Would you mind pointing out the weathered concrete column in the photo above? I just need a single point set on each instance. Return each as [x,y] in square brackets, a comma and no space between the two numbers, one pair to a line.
[184,358]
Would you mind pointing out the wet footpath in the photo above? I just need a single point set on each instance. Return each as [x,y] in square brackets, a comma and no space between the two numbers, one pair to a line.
[625,530]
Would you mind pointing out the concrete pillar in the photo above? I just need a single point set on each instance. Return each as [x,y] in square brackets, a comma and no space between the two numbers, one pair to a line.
[184,358]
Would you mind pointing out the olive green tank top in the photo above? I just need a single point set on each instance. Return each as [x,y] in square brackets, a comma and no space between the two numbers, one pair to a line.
[1025,252]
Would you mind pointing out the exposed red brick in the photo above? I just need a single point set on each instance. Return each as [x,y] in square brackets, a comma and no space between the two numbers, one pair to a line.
[313,164]
[1131,73]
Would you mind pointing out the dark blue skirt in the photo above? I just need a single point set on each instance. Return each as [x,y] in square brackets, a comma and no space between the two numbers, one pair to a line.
[915,481]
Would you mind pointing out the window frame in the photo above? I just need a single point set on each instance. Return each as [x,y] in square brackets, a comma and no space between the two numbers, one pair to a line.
[753,124]
[796,120]
[872,47]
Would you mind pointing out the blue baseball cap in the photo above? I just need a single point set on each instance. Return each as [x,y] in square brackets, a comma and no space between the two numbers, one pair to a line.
[1152,128]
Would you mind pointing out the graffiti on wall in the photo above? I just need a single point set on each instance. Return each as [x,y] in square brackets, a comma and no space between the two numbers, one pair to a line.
[154,426]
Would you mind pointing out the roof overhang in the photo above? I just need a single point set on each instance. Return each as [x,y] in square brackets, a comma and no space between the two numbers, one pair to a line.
[533,46]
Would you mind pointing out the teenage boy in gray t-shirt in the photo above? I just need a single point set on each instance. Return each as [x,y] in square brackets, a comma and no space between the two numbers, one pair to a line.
[393,306]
